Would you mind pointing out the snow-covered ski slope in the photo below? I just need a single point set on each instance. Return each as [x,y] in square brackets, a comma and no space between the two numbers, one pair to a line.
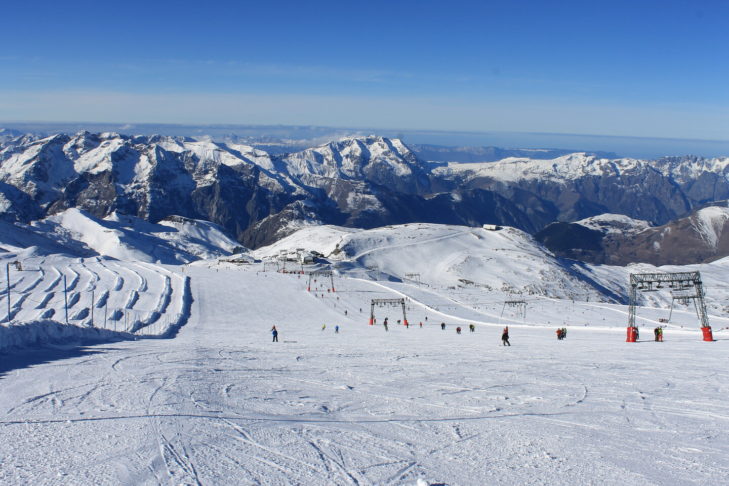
[219,403]
[488,267]
[86,295]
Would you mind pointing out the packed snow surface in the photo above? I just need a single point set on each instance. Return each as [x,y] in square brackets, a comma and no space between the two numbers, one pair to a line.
[220,403]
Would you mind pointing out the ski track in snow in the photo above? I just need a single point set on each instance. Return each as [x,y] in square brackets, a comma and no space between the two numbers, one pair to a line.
[220,404]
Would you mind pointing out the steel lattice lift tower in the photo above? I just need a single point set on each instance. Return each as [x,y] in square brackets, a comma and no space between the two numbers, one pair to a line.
[321,273]
[384,302]
[683,286]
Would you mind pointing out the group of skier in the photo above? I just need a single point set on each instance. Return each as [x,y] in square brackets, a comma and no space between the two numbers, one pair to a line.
[471,327]
[561,333]
[658,333]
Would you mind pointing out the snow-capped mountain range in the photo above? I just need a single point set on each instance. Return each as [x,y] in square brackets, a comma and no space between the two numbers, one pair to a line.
[362,182]
[702,236]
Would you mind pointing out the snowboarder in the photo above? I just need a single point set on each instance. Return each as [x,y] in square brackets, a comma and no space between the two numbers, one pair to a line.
[472,328]
[442,326]
[505,337]
[274,332]
[458,330]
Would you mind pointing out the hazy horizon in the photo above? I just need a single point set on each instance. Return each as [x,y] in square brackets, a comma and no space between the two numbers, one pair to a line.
[639,147]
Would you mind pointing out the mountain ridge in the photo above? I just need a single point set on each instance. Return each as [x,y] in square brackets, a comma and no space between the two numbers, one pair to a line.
[361,182]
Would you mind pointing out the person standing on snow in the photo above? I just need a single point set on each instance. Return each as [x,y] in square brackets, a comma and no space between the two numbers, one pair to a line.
[458,330]
[505,337]
[336,329]
[442,326]
[472,327]
[274,332]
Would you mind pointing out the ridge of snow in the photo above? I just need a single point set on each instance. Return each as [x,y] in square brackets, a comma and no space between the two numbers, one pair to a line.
[614,223]
[576,165]
[710,222]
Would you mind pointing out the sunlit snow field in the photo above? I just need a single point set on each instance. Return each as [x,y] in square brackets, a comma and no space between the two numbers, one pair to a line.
[221,404]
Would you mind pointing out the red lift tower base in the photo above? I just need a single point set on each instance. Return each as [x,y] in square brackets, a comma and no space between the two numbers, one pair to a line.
[632,334]
[708,335]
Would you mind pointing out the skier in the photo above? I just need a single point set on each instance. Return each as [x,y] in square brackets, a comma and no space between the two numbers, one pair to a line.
[442,326]
[564,332]
[421,324]
[336,329]
[323,326]
[385,324]
[345,312]
[660,334]
[472,327]
[274,332]
[458,330]
[505,337]
[559,334]
[407,325]
[656,331]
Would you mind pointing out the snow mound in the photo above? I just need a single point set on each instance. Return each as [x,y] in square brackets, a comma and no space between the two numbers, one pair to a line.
[507,261]
[323,239]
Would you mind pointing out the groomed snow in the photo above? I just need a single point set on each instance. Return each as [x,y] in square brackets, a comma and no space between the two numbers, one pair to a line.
[220,403]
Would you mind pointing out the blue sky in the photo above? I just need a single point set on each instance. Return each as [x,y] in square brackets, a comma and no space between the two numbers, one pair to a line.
[639,68]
